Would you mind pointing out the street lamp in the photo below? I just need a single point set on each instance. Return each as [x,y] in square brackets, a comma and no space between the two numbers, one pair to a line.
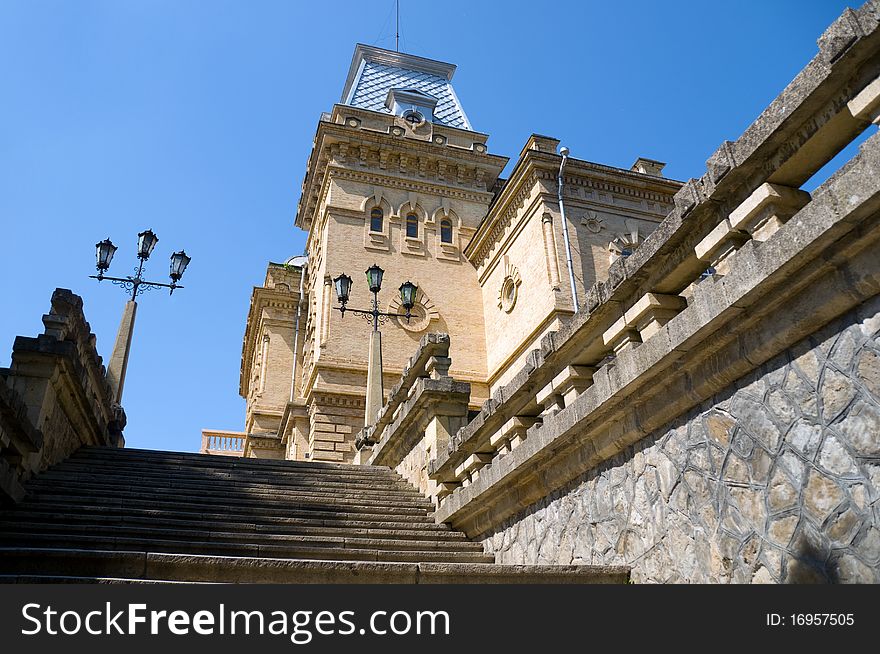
[408,290]
[134,285]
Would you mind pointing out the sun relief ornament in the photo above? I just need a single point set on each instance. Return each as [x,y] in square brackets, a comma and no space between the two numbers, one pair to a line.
[592,222]
[624,244]
[509,288]
[422,313]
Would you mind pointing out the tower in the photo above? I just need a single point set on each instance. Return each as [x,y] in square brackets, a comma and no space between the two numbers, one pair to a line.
[398,177]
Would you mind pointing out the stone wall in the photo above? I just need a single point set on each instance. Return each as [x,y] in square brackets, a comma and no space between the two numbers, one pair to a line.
[776,479]
[743,268]
[413,466]
[54,397]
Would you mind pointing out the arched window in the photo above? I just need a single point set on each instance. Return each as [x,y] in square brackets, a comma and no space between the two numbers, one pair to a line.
[446,231]
[376,219]
[412,226]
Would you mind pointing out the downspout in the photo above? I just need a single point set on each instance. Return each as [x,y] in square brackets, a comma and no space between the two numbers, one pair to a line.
[564,152]
[302,276]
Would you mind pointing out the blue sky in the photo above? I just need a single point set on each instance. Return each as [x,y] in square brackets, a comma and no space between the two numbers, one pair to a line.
[195,119]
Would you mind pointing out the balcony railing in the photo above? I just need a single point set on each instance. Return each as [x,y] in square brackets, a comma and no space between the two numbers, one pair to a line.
[223,443]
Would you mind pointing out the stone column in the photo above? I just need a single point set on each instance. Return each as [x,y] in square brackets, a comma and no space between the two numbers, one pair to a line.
[121,349]
[375,390]
[550,251]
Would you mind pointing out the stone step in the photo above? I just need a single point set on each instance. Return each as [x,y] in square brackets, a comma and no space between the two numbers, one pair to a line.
[234,486]
[58,498]
[59,579]
[55,563]
[291,551]
[82,470]
[86,466]
[256,516]
[246,524]
[208,460]
[223,497]
[65,529]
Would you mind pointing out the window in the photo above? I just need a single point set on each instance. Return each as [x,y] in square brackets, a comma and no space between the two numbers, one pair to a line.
[625,252]
[446,231]
[412,226]
[376,219]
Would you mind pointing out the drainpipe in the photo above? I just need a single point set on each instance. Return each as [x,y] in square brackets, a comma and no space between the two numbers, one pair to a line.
[564,152]
[302,276]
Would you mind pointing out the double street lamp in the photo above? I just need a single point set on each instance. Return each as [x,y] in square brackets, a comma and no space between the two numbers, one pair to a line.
[135,286]
[408,290]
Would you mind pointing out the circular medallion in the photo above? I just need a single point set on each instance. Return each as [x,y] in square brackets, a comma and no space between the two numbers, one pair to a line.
[414,118]
[507,295]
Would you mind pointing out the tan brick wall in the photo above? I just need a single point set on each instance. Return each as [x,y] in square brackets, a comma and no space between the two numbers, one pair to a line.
[535,300]
[449,286]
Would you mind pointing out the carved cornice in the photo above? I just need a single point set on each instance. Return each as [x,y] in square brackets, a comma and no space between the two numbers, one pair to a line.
[332,398]
[410,184]
[501,216]
[535,167]
[261,298]
[451,168]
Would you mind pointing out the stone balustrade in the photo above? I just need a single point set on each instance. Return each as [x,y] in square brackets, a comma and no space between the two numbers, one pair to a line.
[54,397]
[223,443]
[661,334]
[430,360]
[423,411]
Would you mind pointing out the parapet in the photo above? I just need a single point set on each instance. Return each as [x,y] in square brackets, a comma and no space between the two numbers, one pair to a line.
[54,398]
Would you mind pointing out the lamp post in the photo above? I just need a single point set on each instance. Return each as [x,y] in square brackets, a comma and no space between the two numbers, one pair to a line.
[408,290]
[134,286]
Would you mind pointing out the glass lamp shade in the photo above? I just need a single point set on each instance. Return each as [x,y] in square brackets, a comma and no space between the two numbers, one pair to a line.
[104,252]
[408,292]
[146,242]
[342,284]
[374,278]
[179,262]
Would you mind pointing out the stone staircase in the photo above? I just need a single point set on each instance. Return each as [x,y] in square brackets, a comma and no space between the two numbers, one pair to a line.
[109,514]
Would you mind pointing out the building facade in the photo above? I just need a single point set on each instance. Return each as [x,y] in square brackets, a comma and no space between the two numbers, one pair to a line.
[709,410]
[398,177]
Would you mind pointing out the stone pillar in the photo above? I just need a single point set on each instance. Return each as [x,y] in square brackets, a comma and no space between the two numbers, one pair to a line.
[572,381]
[375,391]
[866,105]
[719,245]
[550,400]
[550,251]
[767,209]
[121,350]
[640,322]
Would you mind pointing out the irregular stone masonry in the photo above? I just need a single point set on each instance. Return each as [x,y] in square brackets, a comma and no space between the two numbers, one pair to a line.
[776,479]
[787,264]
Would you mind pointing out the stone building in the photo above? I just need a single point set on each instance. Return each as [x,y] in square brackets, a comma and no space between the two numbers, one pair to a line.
[708,411]
[704,407]
[398,177]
